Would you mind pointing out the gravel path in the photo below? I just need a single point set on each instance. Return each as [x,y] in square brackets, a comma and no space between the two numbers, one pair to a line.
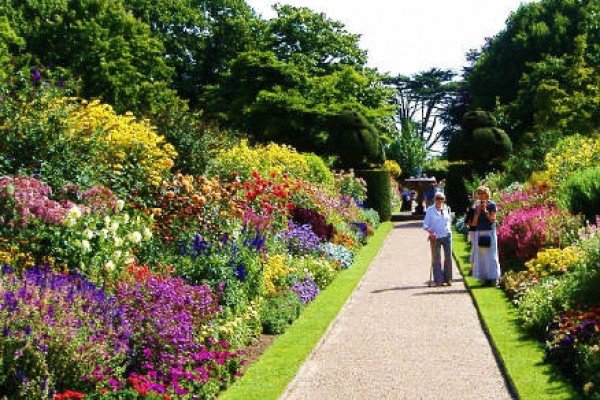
[396,338]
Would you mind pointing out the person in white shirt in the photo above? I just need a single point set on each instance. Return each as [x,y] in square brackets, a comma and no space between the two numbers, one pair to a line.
[437,223]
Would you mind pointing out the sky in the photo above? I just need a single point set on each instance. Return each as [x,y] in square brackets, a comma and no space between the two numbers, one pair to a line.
[406,37]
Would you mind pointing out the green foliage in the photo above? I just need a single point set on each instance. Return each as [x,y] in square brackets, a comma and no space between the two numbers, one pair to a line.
[378,192]
[9,40]
[478,119]
[581,193]
[421,100]
[355,141]
[480,142]
[318,170]
[100,41]
[541,70]
[278,312]
[408,150]
[529,156]
[187,28]
[457,194]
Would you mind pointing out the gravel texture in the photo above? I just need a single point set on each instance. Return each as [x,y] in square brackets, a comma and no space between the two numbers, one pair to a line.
[397,338]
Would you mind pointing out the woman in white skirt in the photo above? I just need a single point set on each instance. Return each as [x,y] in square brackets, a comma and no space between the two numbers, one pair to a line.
[486,263]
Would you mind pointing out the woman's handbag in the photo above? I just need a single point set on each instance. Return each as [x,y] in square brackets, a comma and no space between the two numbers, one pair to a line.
[484,241]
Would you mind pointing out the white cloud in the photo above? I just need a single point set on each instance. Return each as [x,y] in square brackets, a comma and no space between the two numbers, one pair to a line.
[411,36]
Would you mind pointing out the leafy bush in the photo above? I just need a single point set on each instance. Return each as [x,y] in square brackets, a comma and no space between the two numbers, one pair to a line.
[570,155]
[318,170]
[321,270]
[244,160]
[581,193]
[278,312]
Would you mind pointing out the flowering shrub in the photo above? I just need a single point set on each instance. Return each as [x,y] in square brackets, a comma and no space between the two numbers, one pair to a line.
[276,268]
[185,205]
[554,261]
[348,184]
[57,332]
[573,344]
[317,222]
[321,270]
[25,200]
[306,289]
[517,283]
[98,246]
[511,200]
[264,160]
[168,357]
[524,232]
[130,151]
[338,254]
[300,238]
[265,201]
[569,155]
[231,265]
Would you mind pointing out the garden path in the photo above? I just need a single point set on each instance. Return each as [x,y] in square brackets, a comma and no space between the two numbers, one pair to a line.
[397,338]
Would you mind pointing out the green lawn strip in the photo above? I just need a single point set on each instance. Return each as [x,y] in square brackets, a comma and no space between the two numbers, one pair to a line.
[269,376]
[521,356]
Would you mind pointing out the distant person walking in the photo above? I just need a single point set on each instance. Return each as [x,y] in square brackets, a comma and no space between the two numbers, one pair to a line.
[437,223]
[486,263]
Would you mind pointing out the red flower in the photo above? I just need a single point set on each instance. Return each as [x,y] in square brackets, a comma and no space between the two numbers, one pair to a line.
[69,394]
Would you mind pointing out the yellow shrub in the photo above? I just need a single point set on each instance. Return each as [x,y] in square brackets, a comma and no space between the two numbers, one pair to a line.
[243,159]
[554,261]
[120,144]
[570,154]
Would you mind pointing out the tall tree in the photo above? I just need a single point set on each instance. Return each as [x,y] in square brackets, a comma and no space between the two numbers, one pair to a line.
[100,42]
[538,32]
[201,37]
[423,99]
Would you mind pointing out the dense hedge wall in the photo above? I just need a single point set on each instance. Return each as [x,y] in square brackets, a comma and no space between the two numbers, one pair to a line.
[378,192]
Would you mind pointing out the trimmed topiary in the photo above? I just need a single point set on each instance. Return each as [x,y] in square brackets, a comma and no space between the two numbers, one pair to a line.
[355,141]
[378,192]
[477,119]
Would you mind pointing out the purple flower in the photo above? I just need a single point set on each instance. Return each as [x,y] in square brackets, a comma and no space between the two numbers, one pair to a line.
[35,75]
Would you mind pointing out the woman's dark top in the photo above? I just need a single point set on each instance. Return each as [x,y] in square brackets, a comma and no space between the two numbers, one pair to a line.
[483,224]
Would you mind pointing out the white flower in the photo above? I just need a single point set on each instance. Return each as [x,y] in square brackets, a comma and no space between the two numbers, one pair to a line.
[126,217]
[85,245]
[103,234]
[120,205]
[109,266]
[117,255]
[106,220]
[114,226]
[118,241]
[89,233]
[147,233]
[74,212]
[135,237]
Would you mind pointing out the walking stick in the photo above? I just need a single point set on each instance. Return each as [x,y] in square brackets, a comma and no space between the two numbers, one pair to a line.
[431,244]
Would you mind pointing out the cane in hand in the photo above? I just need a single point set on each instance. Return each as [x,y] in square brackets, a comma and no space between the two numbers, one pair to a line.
[431,244]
